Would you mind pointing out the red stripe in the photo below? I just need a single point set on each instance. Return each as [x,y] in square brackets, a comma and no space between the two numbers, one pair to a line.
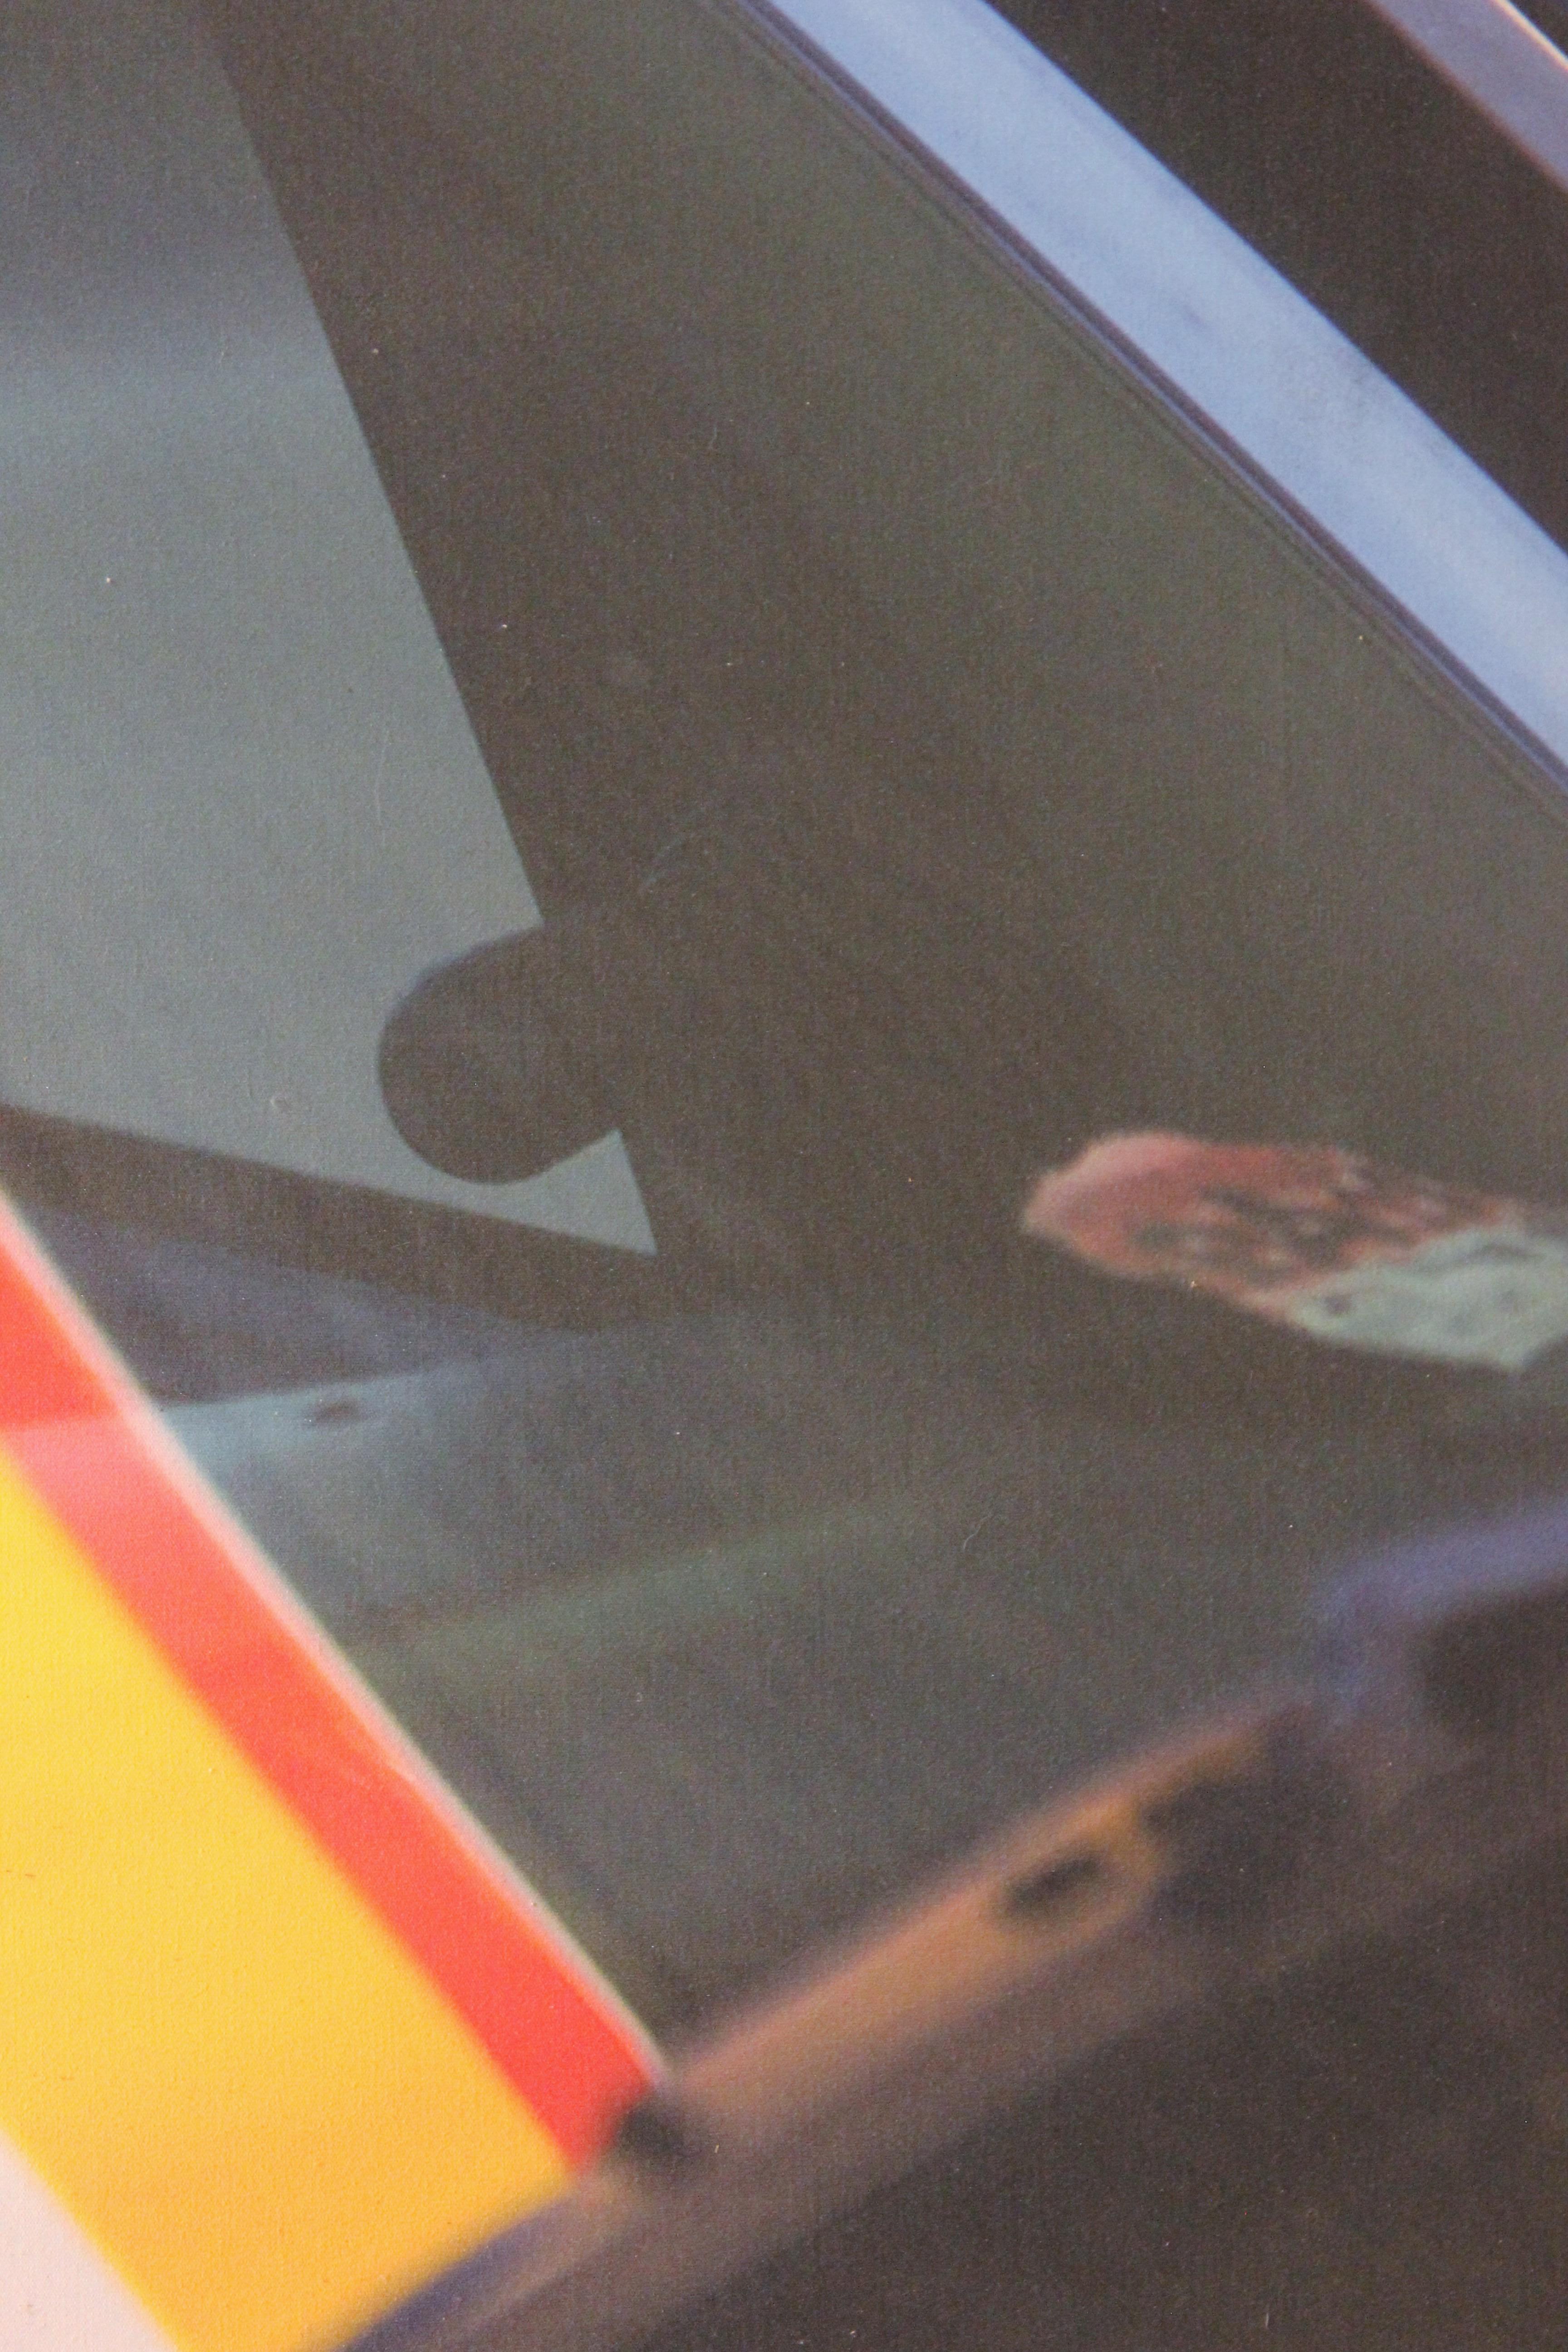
[576,2063]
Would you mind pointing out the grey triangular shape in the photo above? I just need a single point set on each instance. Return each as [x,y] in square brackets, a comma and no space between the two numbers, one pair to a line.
[592,1197]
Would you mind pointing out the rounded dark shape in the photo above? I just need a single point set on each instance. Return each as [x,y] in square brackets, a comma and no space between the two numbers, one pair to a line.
[1055,1886]
[658,2135]
[492,1066]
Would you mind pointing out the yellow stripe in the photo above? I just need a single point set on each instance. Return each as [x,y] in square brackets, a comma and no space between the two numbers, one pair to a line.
[224,2064]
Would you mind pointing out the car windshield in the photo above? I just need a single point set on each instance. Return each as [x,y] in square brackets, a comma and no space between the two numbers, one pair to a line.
[624,727]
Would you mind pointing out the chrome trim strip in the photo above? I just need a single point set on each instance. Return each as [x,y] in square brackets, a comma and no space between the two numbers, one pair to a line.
[1274,378]
[1501,62]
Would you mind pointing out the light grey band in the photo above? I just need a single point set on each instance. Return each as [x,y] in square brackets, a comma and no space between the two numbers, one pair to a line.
[1307,409]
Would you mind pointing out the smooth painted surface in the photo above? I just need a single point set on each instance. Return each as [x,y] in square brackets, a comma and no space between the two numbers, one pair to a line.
[282,2034]
[245,2087]
[57,2292]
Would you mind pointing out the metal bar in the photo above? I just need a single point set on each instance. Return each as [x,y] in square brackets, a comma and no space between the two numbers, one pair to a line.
[1502,63]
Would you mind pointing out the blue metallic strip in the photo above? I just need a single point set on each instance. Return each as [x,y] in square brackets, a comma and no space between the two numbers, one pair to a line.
[1301,404]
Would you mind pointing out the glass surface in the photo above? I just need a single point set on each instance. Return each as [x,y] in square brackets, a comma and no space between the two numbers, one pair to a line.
[1355,2156]
[1385,193]
[642,501]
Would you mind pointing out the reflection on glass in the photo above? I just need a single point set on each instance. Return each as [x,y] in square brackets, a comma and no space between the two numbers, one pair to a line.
[925,757]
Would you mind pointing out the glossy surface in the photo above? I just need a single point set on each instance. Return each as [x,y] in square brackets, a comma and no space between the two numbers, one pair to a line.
[319,2046]
[928,747]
